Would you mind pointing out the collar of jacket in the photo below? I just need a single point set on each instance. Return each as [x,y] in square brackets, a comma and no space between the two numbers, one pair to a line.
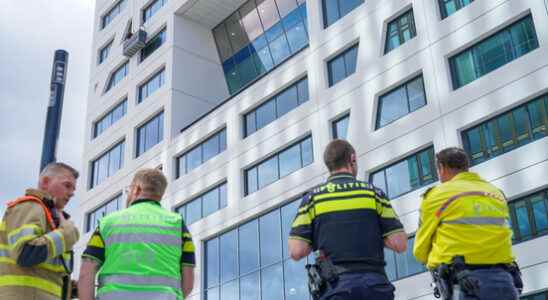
[145,201]
[45,197]
[340,175]
[466,176]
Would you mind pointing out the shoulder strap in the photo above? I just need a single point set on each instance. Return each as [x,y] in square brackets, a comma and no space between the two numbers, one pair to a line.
[37,200]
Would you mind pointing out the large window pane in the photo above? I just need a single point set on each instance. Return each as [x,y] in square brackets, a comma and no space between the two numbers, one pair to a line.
[250,287]
[212,262]
[337,70]
[250,20]
[268,12]
[265,114]
[252,183]
[236,34]
[340,127]
[392,107]
[306,152]
[270,237]
[399,31]
[288,213]
[272,283]
[229,263]
[415,94]
[539,205]
[296,280]
[290,160]
[351,60]
[524,224]
[249,247]
[333,10]
[268,172]
[230,291]
[287,101]
[193,211]
[210,202]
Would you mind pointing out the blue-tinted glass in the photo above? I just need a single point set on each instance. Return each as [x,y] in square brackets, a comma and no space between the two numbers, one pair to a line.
[288,213]
[263,60]
[413,171]
[249,247]
[247,70]
[346,6]
[270,236]
[141,137]
[392,106]
[464,69]
[538,123]
[523,220]
[223,196]
[181,161]
[292,16]
[250,123]
[415,94]
[230,291]
[211,147]
[390,267]
[232,78]
[268,13]
[296,280]
[280,49]
[330,11]
[251,180]
[494,52]
[306,152]
[297,37]
[194,158]
[378,180]
[272,283]
[193,211]
[302,88]
[491,133]
[115,162]
[210,202]
[268,172]
[286,101]
[250,287]
[290,160]
[212,262]
[337,70]
[428,174]
[540,212]
[399,179]
[506,130]
[265,114]
[222,140]
[414,266]
[340,128]
[229,261]
[212,294]
[351,60]
[524,37]
[152,137]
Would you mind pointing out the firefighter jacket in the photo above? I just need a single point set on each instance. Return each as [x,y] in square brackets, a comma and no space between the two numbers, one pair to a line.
[34,250]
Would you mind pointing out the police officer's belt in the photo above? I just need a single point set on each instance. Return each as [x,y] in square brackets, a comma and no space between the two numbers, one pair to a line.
[357,267]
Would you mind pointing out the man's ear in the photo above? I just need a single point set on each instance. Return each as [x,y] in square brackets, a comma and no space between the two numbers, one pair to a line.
[43,182]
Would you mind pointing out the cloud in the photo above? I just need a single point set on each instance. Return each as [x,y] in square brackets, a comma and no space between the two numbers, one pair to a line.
[30,33]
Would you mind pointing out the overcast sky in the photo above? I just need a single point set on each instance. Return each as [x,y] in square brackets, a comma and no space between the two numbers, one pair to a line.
[30,32]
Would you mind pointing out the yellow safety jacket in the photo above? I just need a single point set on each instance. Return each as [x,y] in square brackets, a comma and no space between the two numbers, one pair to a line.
[466,216]
[31,248]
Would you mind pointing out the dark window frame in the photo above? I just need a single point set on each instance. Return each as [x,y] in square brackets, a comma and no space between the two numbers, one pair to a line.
[109,114]
[111,83]
[199,197]
[526,200]
[143,126]
[160,73]
[162,35]
[341,55]
[117,197]
[412,29]
[324,14]
[101,57]
[216,134]
[334,123]
[458,4]
[108,15]
[93,168]
[144,10]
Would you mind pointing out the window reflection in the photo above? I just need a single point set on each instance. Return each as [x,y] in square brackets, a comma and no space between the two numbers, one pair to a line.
[529,216]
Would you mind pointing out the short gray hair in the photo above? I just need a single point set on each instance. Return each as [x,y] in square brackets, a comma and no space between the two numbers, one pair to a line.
[55,168]
[152,181]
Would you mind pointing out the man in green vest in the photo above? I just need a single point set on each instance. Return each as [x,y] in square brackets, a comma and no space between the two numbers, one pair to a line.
[143,252]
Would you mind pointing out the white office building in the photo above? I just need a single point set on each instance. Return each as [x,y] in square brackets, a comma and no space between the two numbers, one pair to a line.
[235,101]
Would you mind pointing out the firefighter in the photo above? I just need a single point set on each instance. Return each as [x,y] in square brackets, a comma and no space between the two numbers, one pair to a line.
[141,252]
[36,239]
[347,222]
[464,236]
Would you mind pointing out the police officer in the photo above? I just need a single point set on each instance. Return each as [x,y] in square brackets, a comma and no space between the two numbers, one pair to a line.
[464,230]
[141,252]
[347,222]
[36,237]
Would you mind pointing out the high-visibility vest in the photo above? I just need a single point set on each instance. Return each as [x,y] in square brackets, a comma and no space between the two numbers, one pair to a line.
[143,249]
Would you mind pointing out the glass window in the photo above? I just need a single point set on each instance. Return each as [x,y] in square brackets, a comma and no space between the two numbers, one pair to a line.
[402,265]
[277,106]
[202,152]
[340,127]
[103,53]
[153,44]
[333,10]
[150,134]
[107,164]
[112,13]
[342,65]
[449,7]
[151,85]
[204,204]
[258,36]
[529,216]
[95,216]
[405,175]
[152,8]
[111,117]
[282,163]
[401,101]
[494,52]
[399,31]
[117,76]
[261,274]
[506,131]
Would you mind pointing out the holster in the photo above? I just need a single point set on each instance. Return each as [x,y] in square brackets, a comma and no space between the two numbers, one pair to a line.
[514,270]
[443,285]
[320,275]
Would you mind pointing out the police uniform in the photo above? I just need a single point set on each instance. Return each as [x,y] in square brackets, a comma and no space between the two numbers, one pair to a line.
[467,216]
[34,250]
[347,220]
[140,250]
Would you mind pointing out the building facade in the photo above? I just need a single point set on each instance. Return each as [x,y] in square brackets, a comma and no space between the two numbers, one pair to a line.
[235,100]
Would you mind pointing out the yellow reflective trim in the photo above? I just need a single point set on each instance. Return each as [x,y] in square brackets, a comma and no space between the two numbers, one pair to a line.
[4,247]
[36,229]
[382,200]
[45,266]
[343,205]
[388,213]
[302,220]
[96,241]
[33,282]
[188,247]
[344,194]
[187,235]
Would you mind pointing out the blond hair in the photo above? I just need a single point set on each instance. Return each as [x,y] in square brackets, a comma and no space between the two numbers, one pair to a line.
[152,182]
